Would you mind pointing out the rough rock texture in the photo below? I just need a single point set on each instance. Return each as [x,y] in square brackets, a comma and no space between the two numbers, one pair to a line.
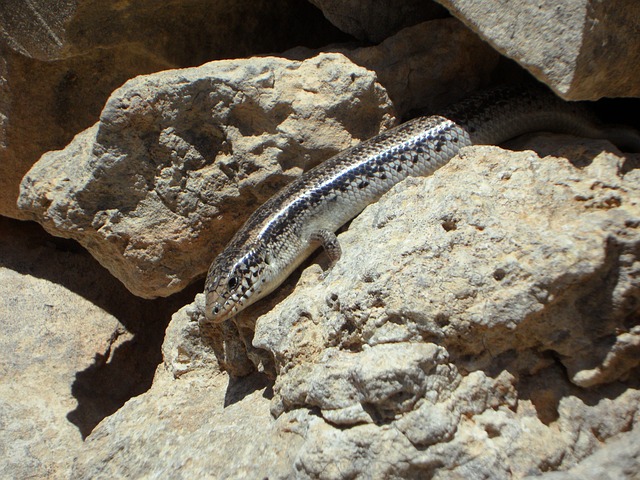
[72,349]
[180,159]
[43,104]
[59,61]
[618,458]
[36,29]
[375,20]
[468,332]
[482,323]
[584,50]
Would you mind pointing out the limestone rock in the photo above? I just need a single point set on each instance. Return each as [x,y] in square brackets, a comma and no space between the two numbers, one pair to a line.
[43,104]
[180,158]
[447,342]
[376,20]
[75,345]
[583,50]
[574,236]
[59,61]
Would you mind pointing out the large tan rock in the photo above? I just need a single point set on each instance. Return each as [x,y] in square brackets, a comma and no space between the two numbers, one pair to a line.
[181,158]
[60,61]
[584,50]
[454,339]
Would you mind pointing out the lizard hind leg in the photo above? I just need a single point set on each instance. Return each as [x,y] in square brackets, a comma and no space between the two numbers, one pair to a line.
[329,242]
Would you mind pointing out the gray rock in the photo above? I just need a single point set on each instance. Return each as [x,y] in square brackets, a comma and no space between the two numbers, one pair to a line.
[521,269]
[535,258]
[618,459]
[448,341]
[583,50]
[375,20]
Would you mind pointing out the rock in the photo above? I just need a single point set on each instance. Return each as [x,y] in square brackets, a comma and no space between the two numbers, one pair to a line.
[180,159]
[520,269]
[43,104]
[75,346]
[178,34]
[429,66]
[568,45]
[193,427]
[447,342]
[376,20]
[59,61]
[37,29]
[619,458]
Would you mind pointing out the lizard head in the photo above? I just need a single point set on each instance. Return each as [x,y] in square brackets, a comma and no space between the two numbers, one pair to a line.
[235,280]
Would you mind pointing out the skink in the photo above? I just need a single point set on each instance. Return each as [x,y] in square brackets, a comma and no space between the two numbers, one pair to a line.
[286,229]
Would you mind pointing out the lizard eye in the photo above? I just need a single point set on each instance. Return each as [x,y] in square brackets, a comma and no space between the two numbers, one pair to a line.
[232,283]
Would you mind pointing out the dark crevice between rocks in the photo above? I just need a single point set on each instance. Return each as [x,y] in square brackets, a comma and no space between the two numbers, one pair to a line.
[241,387]
[122,370]
[231,344]
[547,387]
[103,387]
[612,113]
[116,376]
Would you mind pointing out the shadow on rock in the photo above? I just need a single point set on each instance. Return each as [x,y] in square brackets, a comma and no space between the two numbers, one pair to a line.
[240,388]
[127,371]
[126,364]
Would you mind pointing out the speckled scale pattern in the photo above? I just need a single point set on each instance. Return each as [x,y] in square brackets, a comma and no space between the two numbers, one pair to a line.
[276,238]
[337,190]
